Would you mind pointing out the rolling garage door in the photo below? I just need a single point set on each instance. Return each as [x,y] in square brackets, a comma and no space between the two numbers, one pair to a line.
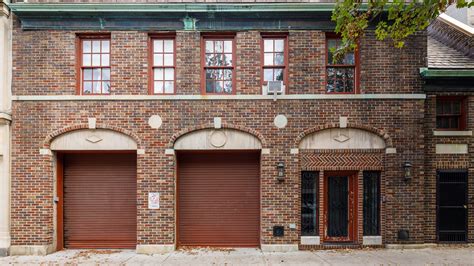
[100,201]
[219,199]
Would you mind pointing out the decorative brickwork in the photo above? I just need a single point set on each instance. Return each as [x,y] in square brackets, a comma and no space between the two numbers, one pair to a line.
[342,160]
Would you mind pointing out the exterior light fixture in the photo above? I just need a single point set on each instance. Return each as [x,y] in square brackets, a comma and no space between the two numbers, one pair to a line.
[281,172]
[407,171]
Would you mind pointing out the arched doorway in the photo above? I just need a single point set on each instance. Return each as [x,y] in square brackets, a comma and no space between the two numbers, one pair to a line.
[96,189]
[218,188]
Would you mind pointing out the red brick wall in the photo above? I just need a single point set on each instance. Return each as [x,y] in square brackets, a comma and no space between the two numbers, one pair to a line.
[44,64]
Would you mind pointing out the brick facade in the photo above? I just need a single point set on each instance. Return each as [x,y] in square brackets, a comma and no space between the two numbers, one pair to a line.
[44,63]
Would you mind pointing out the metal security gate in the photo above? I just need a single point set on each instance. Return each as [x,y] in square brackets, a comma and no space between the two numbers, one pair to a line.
[100,207]
[219,199]
[340,207]
[452,197]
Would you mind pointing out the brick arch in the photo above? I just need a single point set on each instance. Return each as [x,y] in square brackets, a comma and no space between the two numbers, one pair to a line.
[381,133]
[211,126]
[47,141]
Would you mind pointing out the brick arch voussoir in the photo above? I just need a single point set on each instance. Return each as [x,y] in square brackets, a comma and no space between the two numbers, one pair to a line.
[379,132]
[47,141]
[210,126]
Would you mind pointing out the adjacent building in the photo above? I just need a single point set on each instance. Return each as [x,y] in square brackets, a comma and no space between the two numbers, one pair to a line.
[157,126]
[5,119]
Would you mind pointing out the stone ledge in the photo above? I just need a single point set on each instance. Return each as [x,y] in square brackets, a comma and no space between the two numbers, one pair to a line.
[36,250]
[443,133]
[279,247]
[372,240]
[310,240]
[3,252]
[410,246]
[154,249]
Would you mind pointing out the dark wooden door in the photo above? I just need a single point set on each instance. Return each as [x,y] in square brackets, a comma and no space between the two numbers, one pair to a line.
[340,207]
[219,199]
[100,200]
[452,196]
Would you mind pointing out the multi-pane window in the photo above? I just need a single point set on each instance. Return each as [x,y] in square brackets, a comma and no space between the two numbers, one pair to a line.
[309,203]
[218,66]
[450,113]
[340,74]
[163,66]
[95,66]
[274,59]
[371,203]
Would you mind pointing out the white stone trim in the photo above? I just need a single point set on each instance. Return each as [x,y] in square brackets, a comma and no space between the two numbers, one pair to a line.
[457,24]
[390,150]
[217,97]
[279,247]
[372,240]
[310,240]
[5,116]
[343,121]
[217,122]
[93,139]
[169,151]
[92,122]
[140,151]
[452,133]
[154,249]
[36,250]
[5,10]
[45,152]
[265,151]
[294,151]
[410,246]
[451,149]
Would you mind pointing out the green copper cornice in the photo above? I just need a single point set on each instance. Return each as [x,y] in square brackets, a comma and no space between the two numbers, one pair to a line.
[170,7]
[432,73]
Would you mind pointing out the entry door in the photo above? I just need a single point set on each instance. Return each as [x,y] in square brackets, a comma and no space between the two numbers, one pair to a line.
[452,206]
[340,209]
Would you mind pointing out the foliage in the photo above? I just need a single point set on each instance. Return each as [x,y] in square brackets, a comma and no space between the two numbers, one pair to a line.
[394,20]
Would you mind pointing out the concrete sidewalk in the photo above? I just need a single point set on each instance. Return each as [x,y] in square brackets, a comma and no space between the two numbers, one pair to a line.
[433,256]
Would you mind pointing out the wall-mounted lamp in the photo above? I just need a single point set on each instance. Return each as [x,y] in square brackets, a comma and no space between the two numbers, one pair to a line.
[281,172]
[407,171]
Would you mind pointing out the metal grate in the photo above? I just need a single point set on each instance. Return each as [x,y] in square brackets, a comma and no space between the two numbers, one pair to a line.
[452,207]
[371,203]
[309,203]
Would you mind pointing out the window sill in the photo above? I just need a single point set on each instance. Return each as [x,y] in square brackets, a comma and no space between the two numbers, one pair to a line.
[452,133]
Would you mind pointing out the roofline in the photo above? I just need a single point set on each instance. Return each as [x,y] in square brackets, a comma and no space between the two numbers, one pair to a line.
[433,73]
[457,24]
[171,7]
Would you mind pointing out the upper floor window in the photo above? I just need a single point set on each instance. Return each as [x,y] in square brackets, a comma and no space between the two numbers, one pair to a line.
[95,65]
[450,113]
[163,65]
[340,75]
[218,65]
[275,59]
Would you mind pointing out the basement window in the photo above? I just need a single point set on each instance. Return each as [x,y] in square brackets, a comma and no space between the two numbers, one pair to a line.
[451,113]
[94,62]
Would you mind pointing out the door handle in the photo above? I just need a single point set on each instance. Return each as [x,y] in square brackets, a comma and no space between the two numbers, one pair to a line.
[465,206]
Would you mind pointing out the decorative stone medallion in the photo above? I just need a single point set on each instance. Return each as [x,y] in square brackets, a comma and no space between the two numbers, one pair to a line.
[280,121]
[155,121]
[218,138]
[342,138]
[93,139]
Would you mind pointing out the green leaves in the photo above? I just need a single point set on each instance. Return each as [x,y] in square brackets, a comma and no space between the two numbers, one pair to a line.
[395,20]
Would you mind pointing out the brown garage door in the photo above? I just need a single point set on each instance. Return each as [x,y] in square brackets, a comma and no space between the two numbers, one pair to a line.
[219,199]
[100,201]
